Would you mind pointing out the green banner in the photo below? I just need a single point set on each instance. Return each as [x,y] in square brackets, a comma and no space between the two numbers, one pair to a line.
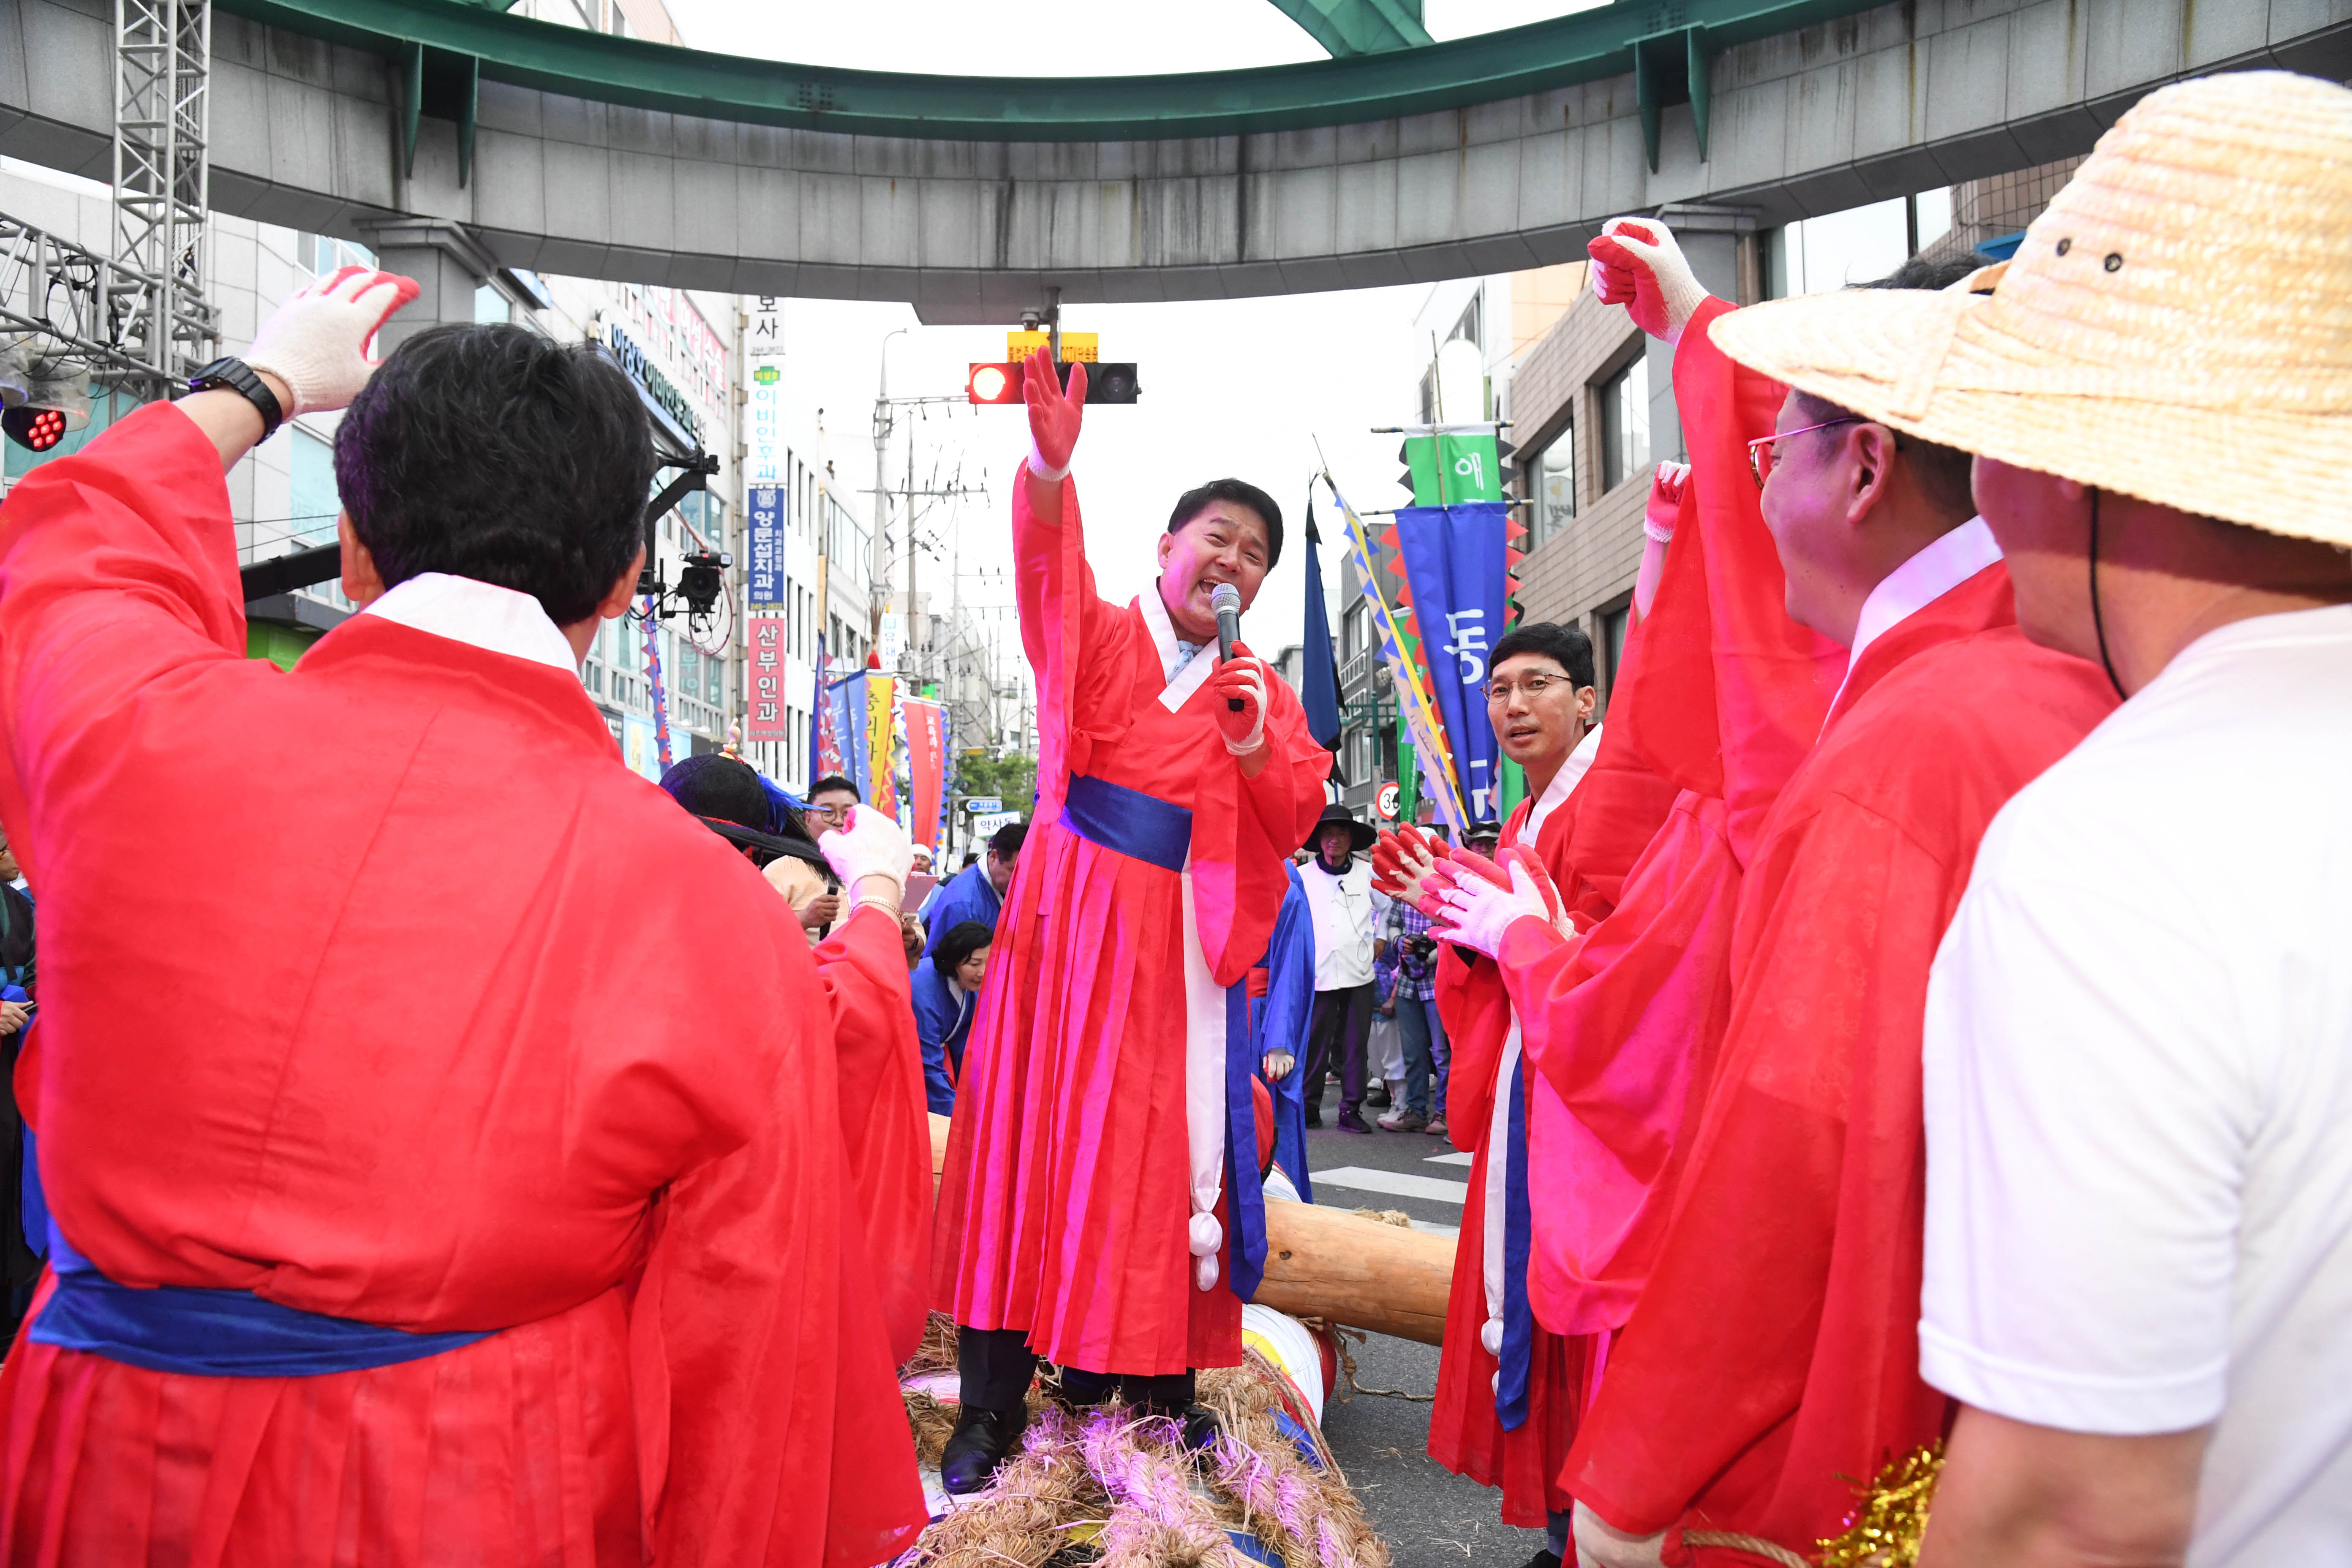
[1449,470]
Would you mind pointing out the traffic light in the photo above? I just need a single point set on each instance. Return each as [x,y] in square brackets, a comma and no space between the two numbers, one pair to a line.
[1113,382]
[993,384]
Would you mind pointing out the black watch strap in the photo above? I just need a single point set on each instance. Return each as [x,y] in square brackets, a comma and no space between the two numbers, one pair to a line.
[239,376]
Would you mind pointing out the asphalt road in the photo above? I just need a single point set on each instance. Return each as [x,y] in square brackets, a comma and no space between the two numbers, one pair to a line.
[1429,1517]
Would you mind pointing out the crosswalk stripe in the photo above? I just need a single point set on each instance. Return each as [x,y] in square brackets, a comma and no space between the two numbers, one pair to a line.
[1396,1183]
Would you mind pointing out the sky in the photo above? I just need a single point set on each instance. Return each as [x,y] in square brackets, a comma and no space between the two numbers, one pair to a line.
[1049,37]
[1244,387]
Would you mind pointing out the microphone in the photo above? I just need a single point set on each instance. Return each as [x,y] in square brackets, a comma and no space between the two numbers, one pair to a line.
[1226,601]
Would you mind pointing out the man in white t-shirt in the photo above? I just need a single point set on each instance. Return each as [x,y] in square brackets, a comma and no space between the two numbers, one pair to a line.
[2139,1043]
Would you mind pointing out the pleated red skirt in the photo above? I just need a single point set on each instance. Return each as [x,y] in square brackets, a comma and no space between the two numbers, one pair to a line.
[516,1449]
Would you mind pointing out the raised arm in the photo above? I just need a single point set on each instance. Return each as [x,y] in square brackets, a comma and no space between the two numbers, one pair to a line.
[118,565]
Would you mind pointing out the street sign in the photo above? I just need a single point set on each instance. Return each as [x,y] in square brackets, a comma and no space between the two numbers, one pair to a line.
[981,802]
[1385,802]
[983,827]
[1078,348]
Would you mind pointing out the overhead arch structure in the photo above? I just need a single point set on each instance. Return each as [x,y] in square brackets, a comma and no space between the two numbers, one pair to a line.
[496,140]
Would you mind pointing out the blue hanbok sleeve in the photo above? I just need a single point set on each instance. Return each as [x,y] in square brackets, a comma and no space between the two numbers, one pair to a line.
[1282,1025]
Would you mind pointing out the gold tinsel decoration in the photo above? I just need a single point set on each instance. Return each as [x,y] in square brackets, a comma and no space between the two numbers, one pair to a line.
[1891,1515]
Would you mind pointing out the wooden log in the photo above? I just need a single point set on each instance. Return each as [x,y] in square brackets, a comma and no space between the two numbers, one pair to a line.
[1327,1263]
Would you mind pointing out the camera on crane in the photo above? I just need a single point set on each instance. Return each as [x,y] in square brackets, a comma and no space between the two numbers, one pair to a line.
[700,581]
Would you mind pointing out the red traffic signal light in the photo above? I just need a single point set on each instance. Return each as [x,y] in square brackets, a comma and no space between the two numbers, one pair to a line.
[1113,382]
[993,384]
[36,428]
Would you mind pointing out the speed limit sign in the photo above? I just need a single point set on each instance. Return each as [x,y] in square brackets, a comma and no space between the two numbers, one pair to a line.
[1385,802]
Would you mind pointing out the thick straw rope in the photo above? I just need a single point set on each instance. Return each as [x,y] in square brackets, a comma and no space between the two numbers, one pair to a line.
[1754,1544]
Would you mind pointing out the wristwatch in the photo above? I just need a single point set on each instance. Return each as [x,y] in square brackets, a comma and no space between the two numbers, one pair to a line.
[239,377]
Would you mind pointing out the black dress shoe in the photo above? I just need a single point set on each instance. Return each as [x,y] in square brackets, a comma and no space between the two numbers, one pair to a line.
[1544,1557]
[979,1444]
[1351,1122]
[1314,1116]
[1197,1424]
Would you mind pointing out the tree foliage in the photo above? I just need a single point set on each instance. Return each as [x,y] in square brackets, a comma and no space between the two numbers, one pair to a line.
[1012,778]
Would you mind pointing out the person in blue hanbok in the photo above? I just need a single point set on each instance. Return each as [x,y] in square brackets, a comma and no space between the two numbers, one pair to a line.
[947,990]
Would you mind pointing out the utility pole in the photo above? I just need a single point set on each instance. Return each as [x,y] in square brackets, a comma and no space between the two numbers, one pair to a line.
[878,581]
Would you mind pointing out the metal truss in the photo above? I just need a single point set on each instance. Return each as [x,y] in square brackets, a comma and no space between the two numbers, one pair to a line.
[163,67]
[64,308]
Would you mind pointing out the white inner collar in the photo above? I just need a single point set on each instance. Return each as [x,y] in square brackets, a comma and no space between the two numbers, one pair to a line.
[481,615]
[1943,565]
[1182,683]
[1563,784]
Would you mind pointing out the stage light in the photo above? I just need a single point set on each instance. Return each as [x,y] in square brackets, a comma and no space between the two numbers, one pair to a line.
[35,429]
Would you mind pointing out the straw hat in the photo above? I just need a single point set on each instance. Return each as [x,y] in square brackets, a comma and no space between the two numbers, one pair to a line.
[2176,326]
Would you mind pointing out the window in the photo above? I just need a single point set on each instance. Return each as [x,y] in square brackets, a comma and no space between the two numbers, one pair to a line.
[315,501]
[322,254]
[1470,325]
[1612,642]
[1552,476]
[490,306]
[1625,424]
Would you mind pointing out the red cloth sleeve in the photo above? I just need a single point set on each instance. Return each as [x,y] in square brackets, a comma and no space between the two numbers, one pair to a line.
[1065,629]
[884,1118]
[115,569]
[1729,693]
[1791,1269]
[1244,831]
[759,1366]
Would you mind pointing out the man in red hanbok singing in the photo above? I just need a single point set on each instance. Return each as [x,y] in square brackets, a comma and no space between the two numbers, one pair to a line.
[1091,1211]
[445,1158]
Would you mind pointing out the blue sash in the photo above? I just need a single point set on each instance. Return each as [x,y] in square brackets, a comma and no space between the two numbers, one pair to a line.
[1519,1320]
[1128,821]
[213,1332]
[1145,827]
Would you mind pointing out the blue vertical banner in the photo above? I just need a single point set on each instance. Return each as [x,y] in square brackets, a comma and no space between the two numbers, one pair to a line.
[1454,559]
[766,545]
[1318,678]
[846,699]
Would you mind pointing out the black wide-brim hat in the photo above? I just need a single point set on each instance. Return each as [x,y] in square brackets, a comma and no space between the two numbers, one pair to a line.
[1360,835]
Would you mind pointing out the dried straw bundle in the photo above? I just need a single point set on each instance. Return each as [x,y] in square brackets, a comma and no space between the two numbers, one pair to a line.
[1109,1487]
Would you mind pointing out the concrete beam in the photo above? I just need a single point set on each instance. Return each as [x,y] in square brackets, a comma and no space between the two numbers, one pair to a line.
[1899,99]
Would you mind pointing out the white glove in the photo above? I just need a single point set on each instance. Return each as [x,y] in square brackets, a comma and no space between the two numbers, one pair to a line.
[317,341]
[1476,912]
[1637,264]
[1278,1065]
[868,845]
[1600,1544]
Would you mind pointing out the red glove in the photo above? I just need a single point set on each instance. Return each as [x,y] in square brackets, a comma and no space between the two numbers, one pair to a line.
[1054,415]
[1637,264]
[1241,678]
[1666,501]
[1401,860]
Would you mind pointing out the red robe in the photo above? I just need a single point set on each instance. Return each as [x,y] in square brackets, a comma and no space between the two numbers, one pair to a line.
[1726,696]
[1774,1352]
[1586,843]
[381,990]
[1721,696]
[1070,1180]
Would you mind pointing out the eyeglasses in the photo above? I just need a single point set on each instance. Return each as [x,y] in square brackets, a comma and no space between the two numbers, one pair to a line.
[1759,450]
[1498,692]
